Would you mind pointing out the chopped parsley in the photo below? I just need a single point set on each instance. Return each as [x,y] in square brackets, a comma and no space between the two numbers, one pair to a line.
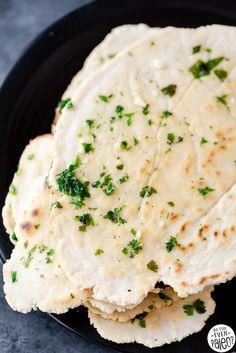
[198,305]
[56,204]
[124,146]
[166,114]
[205,191]
[164,297]
[14,276]
[26,261]
[86,220]
[203,141]
[196,49]
[12,190]
[150,122]
[69,184]
[152,266]
[171,203]
[114,216]
[146,110]
[222,100]
[105,99]
[171,243]
[201,68]
[88,147]
[36,226]
[14,237]
[119,110]
[169,90]
[49,255]
[90,123]
[106,183]
[133,248]
[31,156]
[123,179]
[141,319]
[171,138]
[147,191]
[66,103]
[136,142]
[129,117]
[98,252]
[120,166]
[221,74]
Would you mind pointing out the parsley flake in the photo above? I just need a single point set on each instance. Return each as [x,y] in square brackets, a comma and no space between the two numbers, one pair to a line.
[152,266]
[114,216]
[125,146]
[105,99]
[169,90]
[201,68]
[14,276]
[222,100]
[196,49]
[147,191]
[146,110]
[198,305]
[56,204]
[98,252]
[205,191]
[66,103]
[221,74]
[203,141]
[133,248]
[166,114]
[31,156]
[88,147]
[12,190]
[171,243]
[86,220]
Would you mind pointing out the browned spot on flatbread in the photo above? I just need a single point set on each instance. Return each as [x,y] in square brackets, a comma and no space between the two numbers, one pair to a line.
[183,227]
[35,212]
[173,216]
[205,278]
[232,228]
[27,228]
[216,233]
[224,233]
[178,266]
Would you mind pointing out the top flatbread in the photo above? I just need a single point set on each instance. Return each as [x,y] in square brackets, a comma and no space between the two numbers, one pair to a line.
[117,40]
[140,106]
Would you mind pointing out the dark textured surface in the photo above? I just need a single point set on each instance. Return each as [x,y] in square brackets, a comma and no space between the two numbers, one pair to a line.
[20,22]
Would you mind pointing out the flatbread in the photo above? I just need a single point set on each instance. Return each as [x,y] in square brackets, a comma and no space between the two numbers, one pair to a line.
[33,166]
[117,40]
[33,275]
[166,153]
[164,325]
[153,301]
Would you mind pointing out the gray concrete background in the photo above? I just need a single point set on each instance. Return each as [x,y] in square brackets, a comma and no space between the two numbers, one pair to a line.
[20,22]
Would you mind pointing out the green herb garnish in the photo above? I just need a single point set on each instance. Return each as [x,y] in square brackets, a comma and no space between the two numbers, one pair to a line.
[114,216]
[31,156]
[147,191]
[221,74]
[222,100]
[166,114]
[98,252]
[152,266]
[56,204]
[201,68]
[164,297]
[198,305]
[66,103]
[123,179]
[196,49]
[105,99]
[12,190]
[205,191]
[171,203]
[146,110]
[133,248]
[86,220]
[88,147]
[14,237]
[203,141]
[169,90]
[125,146]
[14,276]
[172,242]
[120,166]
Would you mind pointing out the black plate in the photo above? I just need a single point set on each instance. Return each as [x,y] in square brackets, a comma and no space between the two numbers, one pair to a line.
[34,86]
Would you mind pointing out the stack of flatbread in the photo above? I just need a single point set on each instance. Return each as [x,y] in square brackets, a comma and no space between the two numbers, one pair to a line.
[128,207]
